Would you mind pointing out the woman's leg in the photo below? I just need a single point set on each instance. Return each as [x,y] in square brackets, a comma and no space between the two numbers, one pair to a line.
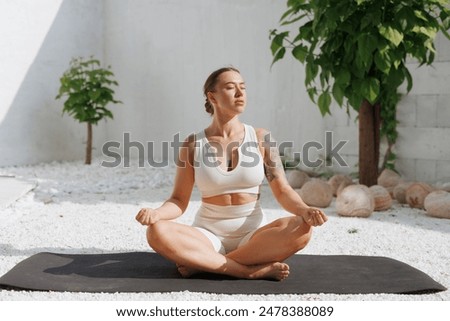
[186,246]
[274,242]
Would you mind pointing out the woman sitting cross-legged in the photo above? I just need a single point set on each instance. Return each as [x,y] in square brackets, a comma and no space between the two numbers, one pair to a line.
[228,162]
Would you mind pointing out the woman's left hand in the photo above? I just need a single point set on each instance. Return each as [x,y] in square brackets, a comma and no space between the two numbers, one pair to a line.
[314,216]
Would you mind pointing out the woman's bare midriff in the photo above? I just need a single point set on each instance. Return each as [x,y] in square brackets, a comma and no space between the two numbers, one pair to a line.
[231,199]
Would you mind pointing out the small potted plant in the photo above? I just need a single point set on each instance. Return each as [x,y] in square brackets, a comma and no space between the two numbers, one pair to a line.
[87,88]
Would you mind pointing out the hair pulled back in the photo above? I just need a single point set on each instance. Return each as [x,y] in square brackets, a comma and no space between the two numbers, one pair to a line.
[211,83]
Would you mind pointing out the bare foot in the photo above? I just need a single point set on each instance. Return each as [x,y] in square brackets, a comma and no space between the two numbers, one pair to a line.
[185,271]
[278,271]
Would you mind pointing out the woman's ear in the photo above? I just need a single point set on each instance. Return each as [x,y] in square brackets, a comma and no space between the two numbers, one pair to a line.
[211,98]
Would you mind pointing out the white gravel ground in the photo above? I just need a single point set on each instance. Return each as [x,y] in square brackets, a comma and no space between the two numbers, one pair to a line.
[90,209]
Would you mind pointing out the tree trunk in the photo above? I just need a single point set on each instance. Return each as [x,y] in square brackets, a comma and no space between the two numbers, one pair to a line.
[89,145]
[369,143]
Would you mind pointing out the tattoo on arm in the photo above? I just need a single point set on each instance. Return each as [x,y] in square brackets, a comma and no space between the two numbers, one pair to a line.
[269,172]
[272,163]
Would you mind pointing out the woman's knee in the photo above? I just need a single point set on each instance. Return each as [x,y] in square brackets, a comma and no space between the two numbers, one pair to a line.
[157,231]
[300,232]
[303,240]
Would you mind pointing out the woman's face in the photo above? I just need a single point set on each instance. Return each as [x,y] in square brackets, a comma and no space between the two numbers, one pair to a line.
[229,94]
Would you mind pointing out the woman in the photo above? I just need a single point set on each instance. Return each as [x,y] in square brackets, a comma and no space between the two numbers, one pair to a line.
[228,161]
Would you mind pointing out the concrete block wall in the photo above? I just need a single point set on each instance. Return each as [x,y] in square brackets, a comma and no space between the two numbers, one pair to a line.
[423,145]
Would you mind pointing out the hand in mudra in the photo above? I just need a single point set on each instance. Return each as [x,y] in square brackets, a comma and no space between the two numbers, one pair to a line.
[148,216]
[314,216]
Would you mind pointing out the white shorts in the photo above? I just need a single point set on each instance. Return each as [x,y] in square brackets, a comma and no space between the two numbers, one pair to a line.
[228,227]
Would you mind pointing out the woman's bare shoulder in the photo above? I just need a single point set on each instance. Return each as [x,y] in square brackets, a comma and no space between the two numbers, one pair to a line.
[263,134]
[189,142]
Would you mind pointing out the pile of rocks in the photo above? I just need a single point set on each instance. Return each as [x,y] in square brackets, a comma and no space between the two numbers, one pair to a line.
[435,200]
[353,199]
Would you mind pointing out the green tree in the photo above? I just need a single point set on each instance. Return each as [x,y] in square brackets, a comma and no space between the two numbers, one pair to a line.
[87,88]
[355,52]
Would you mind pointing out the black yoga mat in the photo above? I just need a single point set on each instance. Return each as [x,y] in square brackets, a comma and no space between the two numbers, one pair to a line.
[149,272]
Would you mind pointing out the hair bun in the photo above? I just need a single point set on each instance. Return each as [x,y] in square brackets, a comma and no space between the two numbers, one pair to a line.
[209,108]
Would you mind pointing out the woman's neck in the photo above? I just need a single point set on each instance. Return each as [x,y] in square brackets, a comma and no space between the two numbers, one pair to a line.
[225,127]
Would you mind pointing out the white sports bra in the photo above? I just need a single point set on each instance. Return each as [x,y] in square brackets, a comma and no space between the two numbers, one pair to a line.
[246,177]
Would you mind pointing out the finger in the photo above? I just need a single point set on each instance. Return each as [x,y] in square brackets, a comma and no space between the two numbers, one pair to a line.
[145,222]
[320,220]
[316,220]
[323,217]
[141,212]
[141,220]
[319,217]
[314,214]
[310,220]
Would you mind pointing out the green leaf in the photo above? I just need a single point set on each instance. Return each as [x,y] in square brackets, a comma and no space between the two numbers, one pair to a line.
[370,89]
[396,57]
[312,93]
[355,100]
[391,34]
[287,14]
[395,77]
[370,19]
[324,77]
[382,62]
[364,61]
[324,103]
[311,72]
[338,93]
[343,77]
[335,43]
[95,94]
[300,52]
[408,79]
[277,42]
[288,22]
[367,44]
[279,55]
[304,32]
[420,15]
[357,69]
[430,32]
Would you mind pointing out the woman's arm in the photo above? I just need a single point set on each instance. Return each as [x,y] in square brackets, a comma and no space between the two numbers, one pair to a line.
[181,194]
[283,192]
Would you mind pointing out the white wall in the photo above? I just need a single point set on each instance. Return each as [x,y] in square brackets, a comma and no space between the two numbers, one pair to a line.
[37,41]
[163,51]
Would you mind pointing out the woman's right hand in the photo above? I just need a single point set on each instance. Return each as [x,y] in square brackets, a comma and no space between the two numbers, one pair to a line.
[148,216]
